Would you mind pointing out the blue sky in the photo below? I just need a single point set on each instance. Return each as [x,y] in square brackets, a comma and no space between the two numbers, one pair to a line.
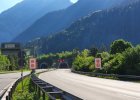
[73,1]
[6,4]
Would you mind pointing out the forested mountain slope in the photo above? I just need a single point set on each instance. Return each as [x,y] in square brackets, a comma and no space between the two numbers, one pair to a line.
[21,16]
[97,29]
[59,20]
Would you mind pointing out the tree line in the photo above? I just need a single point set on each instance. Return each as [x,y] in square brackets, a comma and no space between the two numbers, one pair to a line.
[8,63]
[11,63]
[122,58]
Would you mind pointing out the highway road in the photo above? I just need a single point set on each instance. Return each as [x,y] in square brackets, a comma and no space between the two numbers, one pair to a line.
[7,79]
[92,88]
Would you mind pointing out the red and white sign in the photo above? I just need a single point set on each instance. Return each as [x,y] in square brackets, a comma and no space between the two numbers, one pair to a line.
[98,63]
[33,63]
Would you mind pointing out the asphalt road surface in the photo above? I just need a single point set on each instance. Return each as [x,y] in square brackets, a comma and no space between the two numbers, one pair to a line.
[7,79]
[91,88]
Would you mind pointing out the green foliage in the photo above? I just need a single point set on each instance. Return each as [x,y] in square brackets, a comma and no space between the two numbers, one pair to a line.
[4,63]
[105,55]
[123,60]
[65,55]
[13,62]
[112,64]
[51,59]
[119,46]
[98,55]
[83,62]
[47,59]
[28,93]
[127,63]
[131,61]
[93,51]
[10,63]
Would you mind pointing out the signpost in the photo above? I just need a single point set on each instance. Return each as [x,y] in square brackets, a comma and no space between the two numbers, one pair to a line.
[21,63]
[98,63]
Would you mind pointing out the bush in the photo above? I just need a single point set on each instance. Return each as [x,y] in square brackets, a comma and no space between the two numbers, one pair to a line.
[124,59]
[112,64]
[131,61]
[4,63]
[119,46]
[127,63]
[93,51]
[83,62]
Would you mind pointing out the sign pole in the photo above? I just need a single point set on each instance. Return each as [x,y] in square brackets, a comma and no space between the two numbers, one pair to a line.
[21,74]
[22,78]
[21,62]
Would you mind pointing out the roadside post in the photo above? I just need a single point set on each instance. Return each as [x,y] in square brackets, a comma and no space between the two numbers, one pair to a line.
[21,63]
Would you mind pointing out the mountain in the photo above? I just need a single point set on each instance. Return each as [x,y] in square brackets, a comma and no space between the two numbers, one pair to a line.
[56,21]
[21,16]
[98,29]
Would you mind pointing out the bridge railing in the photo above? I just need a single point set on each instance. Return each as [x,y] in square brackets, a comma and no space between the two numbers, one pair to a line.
[43,88]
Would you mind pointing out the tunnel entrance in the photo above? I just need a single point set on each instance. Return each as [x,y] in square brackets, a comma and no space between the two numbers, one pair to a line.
[63,65]
[44,65]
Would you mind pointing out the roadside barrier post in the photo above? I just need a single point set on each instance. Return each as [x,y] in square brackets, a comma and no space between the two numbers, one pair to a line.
[44,96]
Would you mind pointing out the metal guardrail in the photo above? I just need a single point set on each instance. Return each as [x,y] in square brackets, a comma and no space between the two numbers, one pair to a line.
[109,75]
[2,93]
[8,91]
[42,88]
[8,95]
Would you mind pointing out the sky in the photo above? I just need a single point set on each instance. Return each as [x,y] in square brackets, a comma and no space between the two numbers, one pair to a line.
[73,1]
[6,4]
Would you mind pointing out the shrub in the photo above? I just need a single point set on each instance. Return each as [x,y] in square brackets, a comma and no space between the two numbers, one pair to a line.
[119,46]
[131,61]
[112,64]
[83,62]
[4,63]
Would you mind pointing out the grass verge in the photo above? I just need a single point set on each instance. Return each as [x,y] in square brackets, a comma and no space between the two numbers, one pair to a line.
[28,92]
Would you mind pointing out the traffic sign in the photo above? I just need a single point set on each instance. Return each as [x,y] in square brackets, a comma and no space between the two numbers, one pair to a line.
[61,60]
[98,62]
[33,63]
